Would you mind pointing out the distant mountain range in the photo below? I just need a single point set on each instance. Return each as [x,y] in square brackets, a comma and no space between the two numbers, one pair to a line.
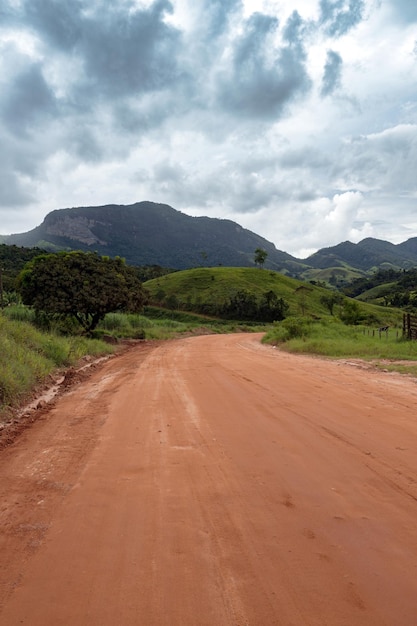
[147,233]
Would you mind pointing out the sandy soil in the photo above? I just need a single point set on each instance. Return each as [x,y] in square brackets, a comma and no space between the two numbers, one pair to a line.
[214,481]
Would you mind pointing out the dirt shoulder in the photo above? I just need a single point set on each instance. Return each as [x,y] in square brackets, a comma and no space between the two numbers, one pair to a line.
[15,420]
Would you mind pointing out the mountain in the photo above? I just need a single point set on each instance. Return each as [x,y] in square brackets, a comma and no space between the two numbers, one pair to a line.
[367,255]
[147,233]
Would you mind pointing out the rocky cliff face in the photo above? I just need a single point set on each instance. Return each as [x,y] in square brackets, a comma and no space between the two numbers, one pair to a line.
[75,227]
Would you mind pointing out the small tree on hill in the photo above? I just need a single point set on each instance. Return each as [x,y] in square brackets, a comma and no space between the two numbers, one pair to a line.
[330,300]
[82,285]
[260,257]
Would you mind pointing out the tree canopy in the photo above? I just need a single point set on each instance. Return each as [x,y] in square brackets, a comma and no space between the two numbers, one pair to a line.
[83,285]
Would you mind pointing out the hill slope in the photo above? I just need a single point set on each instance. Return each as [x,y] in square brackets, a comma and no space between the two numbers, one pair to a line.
[206,290]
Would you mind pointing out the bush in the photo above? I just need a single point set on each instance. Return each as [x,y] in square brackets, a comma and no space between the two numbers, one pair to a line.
[291,328]
[350,313]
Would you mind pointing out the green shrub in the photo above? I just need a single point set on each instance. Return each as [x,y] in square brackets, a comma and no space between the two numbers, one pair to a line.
[350,313]
[114,321]
[291,328]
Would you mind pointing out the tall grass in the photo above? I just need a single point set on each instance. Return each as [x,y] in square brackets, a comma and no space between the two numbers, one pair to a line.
[19,313]
[329,337]
[28,356]
[159,323]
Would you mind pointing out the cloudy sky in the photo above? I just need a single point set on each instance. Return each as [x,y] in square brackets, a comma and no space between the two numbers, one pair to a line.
[295,118]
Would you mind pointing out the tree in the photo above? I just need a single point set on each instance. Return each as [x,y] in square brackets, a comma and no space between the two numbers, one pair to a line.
[260,257]
[83,285]
[330,300]
[350,313]
[244,305]
[272,308]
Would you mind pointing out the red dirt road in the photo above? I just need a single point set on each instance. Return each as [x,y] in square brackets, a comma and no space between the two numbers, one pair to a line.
[214,481]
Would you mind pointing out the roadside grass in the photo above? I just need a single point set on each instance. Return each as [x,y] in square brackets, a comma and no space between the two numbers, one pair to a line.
[159,323]
[28,356]
[19,313]
[408,370]
[332,338]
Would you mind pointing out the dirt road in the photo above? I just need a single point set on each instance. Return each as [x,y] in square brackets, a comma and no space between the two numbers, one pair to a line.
[214,481]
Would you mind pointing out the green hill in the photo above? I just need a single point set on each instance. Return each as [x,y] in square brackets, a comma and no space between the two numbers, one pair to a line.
[388,287]
[207,290]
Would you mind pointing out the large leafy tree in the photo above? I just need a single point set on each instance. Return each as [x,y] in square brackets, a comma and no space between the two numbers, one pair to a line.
[83,285]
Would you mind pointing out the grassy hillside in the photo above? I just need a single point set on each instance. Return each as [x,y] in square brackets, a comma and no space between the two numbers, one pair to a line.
[204,289]
[195,288]
[335,276]
[376,294]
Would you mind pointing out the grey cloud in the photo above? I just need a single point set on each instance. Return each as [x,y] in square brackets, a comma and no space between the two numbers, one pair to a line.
[339,16]
[131,53]
[306,158]
[114,59]
[21,162]
[230,185]
[385,160]
[239,185]
[262,78]
[216,16]
[252,43]
[12,191]
[293,30]
[133,117]
[306,195]
[122,48]
[9,13]
[83,142]
[59,23]
[406,10]
[28,100]
[166,171]
[332,73]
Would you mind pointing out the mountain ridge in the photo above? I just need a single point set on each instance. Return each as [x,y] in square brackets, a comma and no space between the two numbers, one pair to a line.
[147,233]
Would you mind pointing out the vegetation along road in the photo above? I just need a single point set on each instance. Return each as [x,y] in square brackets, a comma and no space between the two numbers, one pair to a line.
[215,481]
